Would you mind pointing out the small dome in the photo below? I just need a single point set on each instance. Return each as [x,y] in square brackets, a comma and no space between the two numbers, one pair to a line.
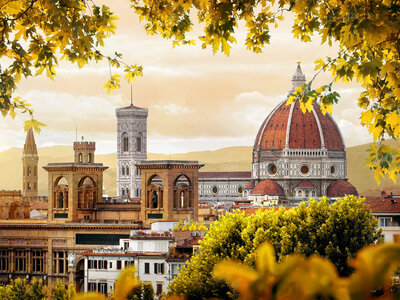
[305,184]
[267,187]
[249,185]
[340,188]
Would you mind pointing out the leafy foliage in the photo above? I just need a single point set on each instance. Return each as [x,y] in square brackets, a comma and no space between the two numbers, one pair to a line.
[189,225]
[335,232]
[142,291]
[367,32]
[34,35]
[21,289]
[311,278]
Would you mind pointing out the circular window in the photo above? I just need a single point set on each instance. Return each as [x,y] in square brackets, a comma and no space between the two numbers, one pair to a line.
[304,169]
[215,190]
[272,169]
[240,190]
[333,170]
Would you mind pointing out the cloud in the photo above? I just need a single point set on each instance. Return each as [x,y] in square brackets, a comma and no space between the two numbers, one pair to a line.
[172,109]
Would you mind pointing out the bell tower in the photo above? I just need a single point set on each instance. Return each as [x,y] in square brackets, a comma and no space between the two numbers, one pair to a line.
[132,149]
[30,160]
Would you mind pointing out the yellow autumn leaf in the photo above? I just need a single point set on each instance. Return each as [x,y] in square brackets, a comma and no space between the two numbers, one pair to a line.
[125,284]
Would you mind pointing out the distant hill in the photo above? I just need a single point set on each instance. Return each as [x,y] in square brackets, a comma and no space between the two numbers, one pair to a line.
[225,159]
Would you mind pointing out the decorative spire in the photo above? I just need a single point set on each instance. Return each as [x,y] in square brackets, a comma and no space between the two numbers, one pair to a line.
[298,77]
[30,145]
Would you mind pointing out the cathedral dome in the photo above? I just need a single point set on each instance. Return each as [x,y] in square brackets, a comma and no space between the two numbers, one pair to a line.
[267,187]
[340,188]
[287,127]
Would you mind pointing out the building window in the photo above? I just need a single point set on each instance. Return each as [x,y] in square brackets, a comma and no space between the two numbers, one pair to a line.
[385,221]
[159,289]
[92,287]
[139,144]
[29,171]
[272,169]
[102,265]
[333,170]
[102,287]
[146,268]
[304,169]
[215,190]
[125,141]
[127,170]
[4,260]
[240,190]
[126,245]
[37,261]
[119,265]
[60,262]
[110,265]
[158,268]
[90,158]
[123,170]
[80,157]
[20,261]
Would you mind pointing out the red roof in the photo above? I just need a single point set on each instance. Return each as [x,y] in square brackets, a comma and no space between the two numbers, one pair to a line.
[131,107]
[267,187]
[304,132]
[340,188]
[190,243]
[251,184]
[305,184]
[384,204]
[239,174]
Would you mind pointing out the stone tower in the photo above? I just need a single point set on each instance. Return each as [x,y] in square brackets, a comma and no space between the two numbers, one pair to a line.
[132,148]
[30,160]
[84,152]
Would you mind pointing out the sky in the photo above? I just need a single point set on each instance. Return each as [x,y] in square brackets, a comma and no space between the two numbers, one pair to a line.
[196,100]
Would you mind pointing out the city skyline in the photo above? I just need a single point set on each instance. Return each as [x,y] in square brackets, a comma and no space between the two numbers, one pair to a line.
[196,100]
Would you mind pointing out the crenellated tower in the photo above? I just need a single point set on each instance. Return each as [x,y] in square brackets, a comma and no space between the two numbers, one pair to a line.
[30,160]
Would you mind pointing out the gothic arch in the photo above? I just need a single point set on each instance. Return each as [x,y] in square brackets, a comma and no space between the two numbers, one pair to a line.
[124,142]
[155,192]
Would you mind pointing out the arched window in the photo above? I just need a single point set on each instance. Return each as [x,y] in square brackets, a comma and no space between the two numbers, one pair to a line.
[29,171]
[139,144]
[127,170]
[80,157]
[123,191]
[90,158]
[123,170]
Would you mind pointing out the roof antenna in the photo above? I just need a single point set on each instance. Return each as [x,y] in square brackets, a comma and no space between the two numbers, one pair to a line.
[76,132]
[131,95]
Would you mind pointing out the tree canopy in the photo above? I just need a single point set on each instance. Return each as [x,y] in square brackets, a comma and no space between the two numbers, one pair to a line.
[335,231]
[367,32]
[35,35]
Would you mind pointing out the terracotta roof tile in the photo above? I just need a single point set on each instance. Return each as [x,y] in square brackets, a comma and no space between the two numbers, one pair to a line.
[384,204]
[267,187]
[340,188]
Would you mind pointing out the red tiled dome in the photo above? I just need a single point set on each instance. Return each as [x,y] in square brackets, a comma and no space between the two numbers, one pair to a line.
[288,126]
[340,188]
[305,184]
[303,131]
[267,187]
